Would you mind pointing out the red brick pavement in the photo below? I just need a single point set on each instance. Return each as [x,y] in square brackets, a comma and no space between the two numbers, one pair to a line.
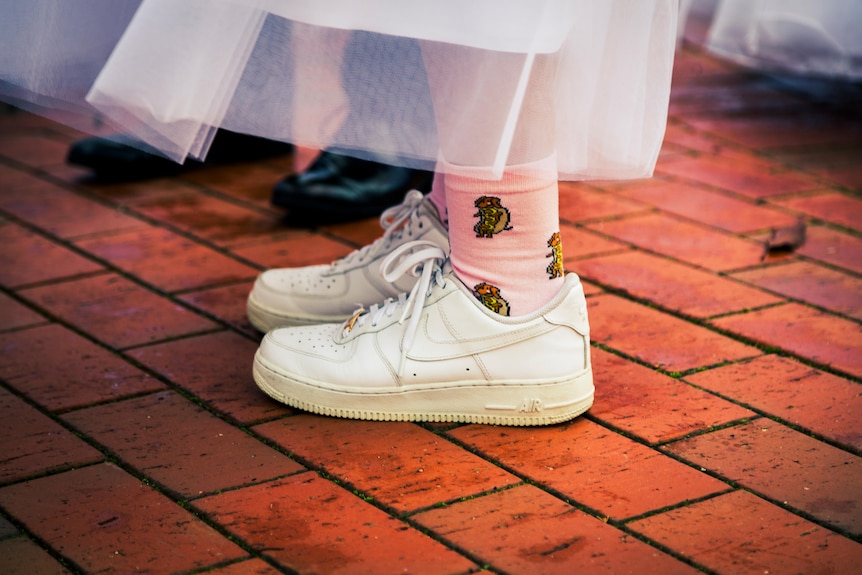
[725,438]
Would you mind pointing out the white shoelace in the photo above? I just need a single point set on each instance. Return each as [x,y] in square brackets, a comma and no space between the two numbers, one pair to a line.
[395,221]
[421,259]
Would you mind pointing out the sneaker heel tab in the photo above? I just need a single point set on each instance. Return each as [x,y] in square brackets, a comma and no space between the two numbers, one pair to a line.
[572,310]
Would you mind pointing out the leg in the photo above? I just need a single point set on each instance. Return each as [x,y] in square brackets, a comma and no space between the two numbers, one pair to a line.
[504,231]
[443,352]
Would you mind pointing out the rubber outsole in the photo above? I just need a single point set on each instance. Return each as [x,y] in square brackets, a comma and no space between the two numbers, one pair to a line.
[512,404]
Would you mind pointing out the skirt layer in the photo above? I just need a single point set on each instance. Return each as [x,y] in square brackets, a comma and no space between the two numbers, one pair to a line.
[822,38]
[484,86]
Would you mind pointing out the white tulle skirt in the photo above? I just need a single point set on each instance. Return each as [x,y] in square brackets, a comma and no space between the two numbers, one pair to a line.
[481,83]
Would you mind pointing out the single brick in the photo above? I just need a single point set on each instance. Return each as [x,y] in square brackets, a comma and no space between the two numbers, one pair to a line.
[741,173]
[299,248]
[220,221]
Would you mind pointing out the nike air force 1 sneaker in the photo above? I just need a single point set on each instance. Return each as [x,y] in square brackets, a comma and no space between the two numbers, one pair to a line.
[330,293]
[437,354]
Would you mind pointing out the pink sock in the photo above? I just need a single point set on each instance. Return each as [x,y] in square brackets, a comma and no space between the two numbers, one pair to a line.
[504,235]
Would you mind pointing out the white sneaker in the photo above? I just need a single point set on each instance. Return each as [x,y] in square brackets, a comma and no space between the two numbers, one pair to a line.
[330,293]
[452,360]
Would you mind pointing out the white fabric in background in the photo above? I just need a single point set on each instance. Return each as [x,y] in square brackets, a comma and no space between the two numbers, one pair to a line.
[821,38]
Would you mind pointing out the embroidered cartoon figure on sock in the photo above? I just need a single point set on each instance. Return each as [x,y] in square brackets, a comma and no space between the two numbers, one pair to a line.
[490,297]
[493,217]
[555,268]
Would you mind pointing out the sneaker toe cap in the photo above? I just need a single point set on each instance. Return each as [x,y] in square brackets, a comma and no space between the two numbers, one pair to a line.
[313,343]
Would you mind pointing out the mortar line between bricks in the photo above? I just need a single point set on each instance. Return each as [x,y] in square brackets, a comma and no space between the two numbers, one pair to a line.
[24,532]
[111,268]
[829,265]
[678,555]
[109,456]
[682,378]
[354,491]
[680,505]
[660,447]
[753,309]
[72,246]
[56,281]
[486,564]
[51,319]
[455,501]
[655,446]
[771,153]
[82,191]
[218,566]
[770,349]
[708,325]
[823,184]
[25,327]
[766,415]
[662,371]
[174,338]
[134,362]
[795,258]
[739,485]
[579,506]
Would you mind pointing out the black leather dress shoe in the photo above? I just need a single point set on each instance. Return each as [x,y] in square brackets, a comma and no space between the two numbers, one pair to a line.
[337,188]
[121,157]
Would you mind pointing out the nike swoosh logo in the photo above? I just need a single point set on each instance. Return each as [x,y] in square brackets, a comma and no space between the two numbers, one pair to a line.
[427,348]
